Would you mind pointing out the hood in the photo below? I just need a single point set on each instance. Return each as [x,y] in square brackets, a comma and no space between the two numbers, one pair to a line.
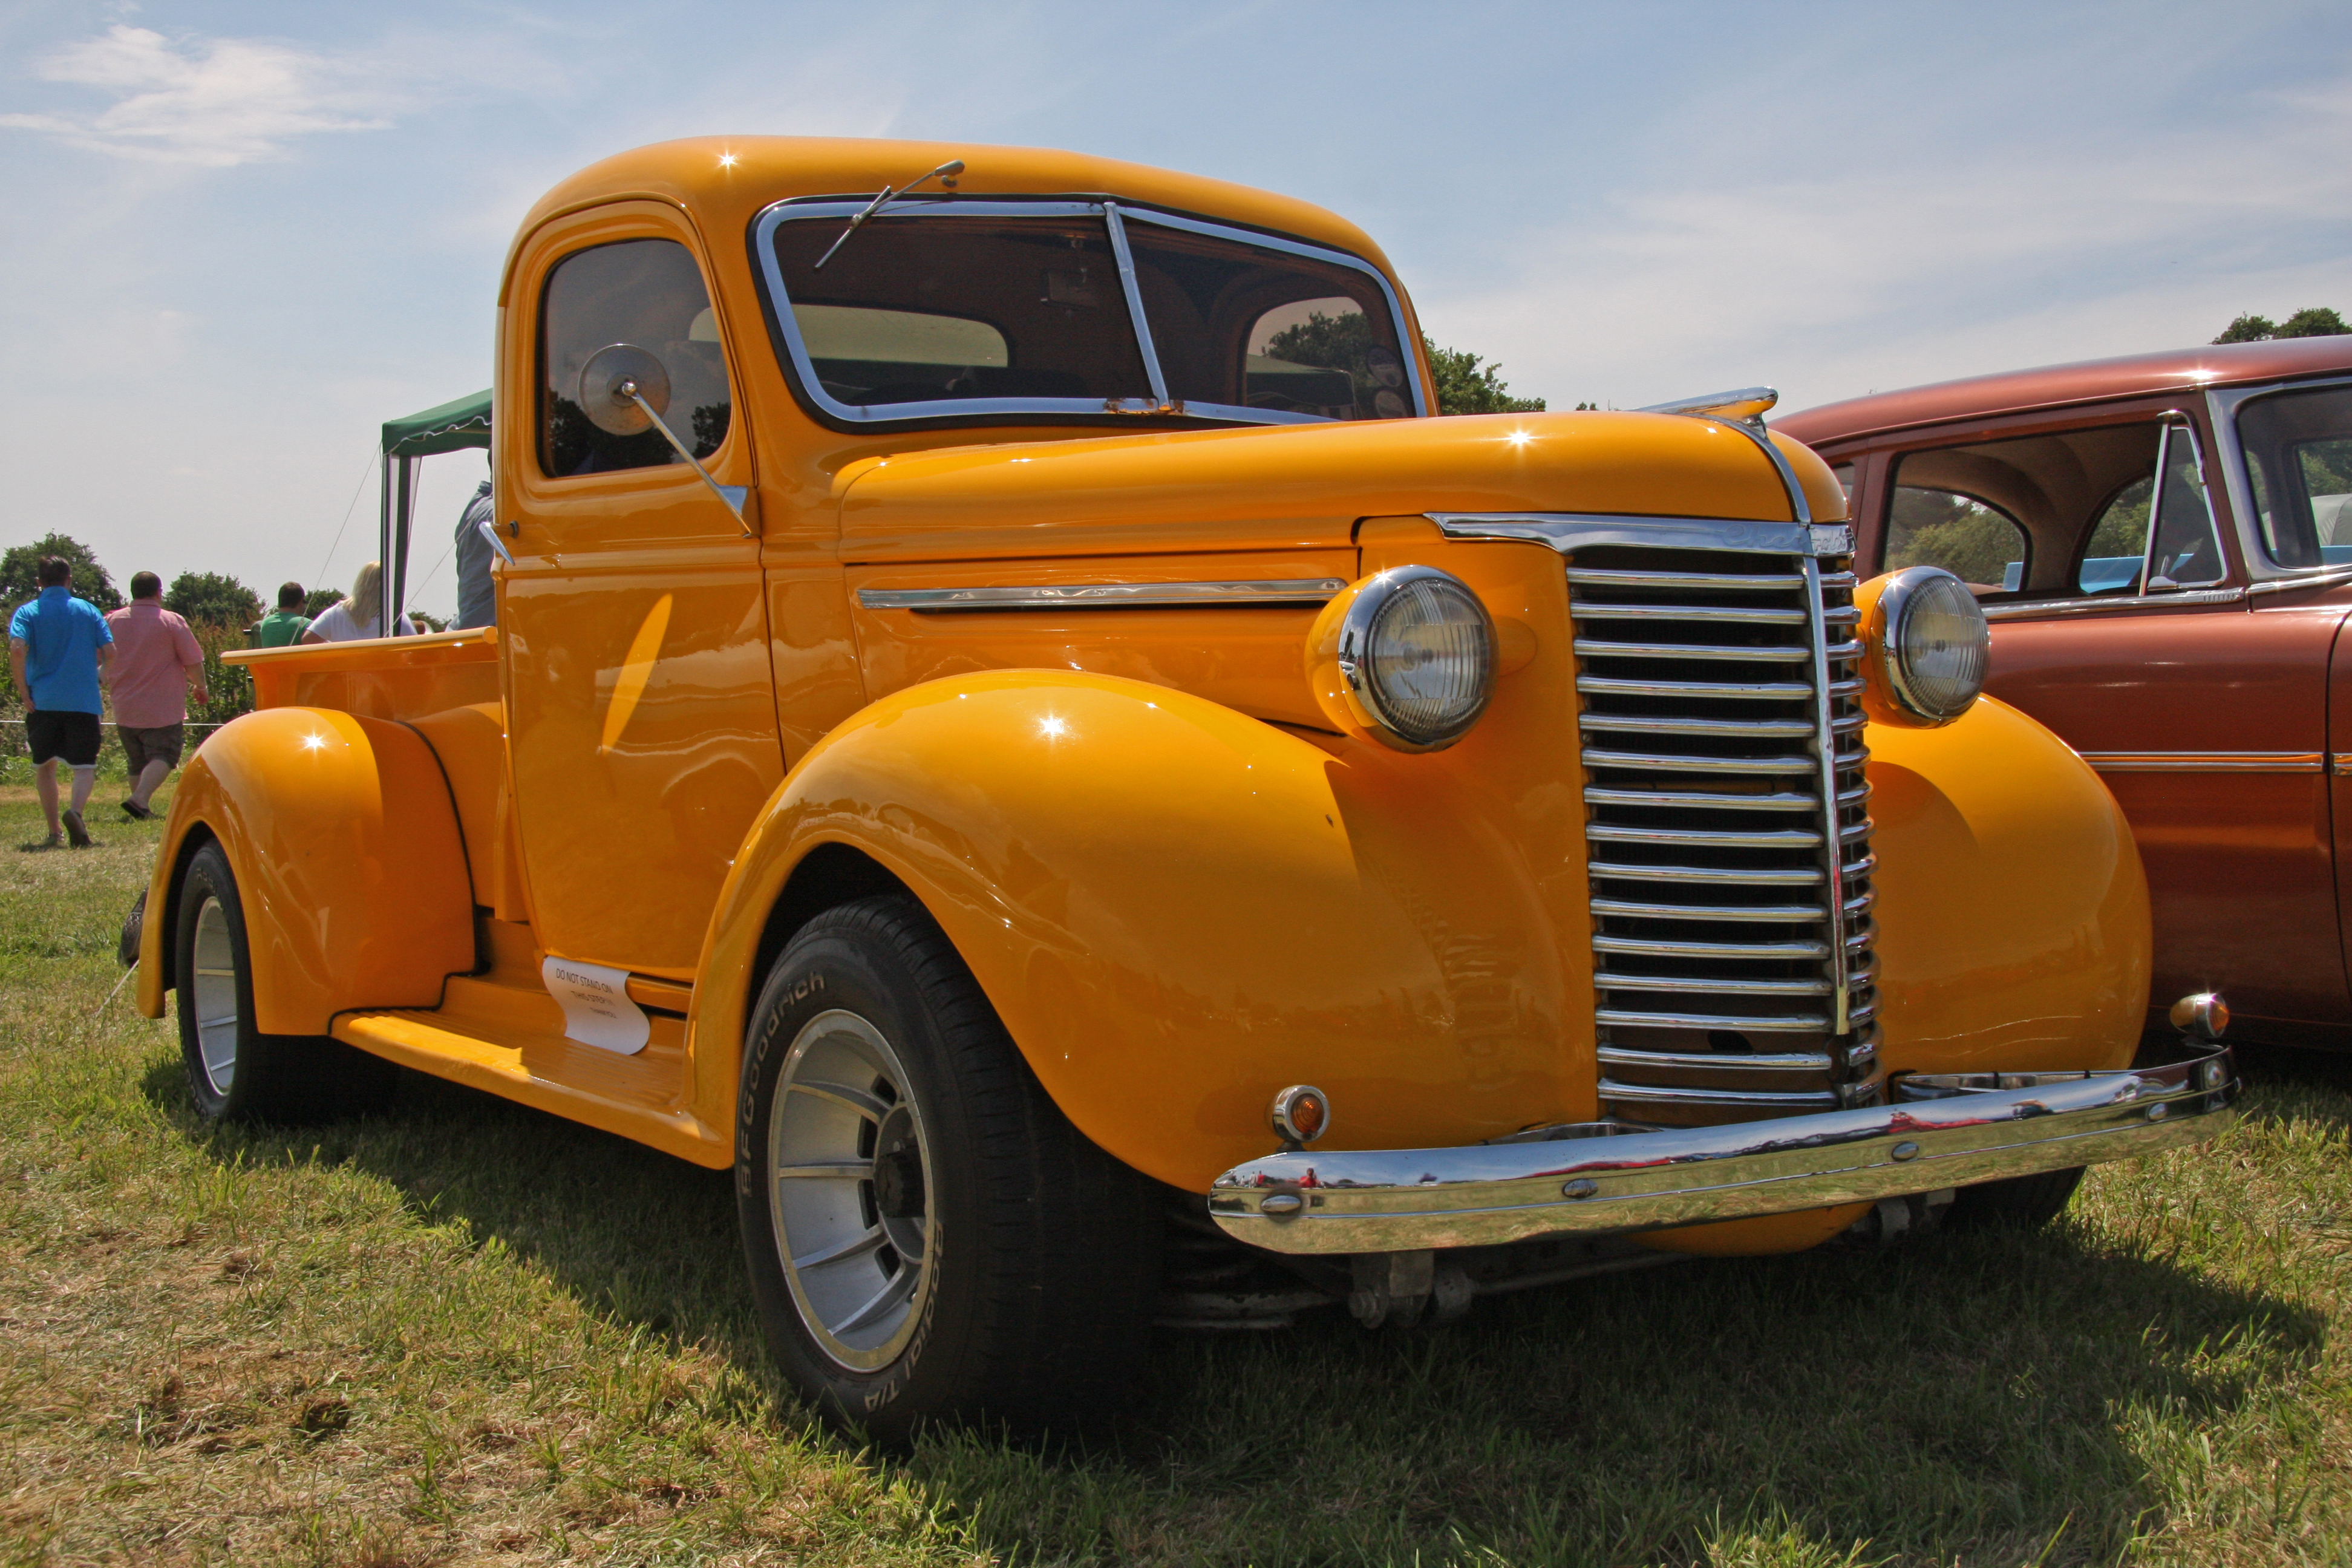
[1298,486]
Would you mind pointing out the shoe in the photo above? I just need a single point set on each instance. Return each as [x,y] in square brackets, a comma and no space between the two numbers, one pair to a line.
[76,833]
[137,812]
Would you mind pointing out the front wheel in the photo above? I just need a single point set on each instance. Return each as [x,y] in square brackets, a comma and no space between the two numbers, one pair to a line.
[927,1236]
[235,1072]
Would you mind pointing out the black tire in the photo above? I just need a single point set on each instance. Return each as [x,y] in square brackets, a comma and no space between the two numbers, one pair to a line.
[1029,1257]
[235,1072]
[2018,1203]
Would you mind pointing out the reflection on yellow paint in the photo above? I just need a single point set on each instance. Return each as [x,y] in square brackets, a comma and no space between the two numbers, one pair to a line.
[636,668]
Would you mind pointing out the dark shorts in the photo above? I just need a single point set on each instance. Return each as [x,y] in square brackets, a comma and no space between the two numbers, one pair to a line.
[159,745]
[54,732]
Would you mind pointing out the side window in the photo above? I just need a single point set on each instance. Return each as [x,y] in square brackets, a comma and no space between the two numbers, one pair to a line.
[647,292]
[2298,446]
[2188,550]
[1980,545]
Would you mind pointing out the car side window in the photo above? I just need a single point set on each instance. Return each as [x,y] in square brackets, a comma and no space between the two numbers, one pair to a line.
[1979,543]
[2187,552]
[647,292]
[2298,449]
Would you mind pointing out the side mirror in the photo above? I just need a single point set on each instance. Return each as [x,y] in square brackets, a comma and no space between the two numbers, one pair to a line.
[625,390]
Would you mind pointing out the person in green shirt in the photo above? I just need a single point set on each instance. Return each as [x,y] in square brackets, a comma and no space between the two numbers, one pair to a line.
[287,623]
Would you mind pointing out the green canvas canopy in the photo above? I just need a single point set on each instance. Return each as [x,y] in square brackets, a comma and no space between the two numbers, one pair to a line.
[450,427]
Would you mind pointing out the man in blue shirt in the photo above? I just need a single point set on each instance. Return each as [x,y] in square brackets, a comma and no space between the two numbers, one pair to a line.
[58,647]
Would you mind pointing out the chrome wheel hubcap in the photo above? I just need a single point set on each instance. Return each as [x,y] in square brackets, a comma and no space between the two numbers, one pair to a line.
[850,1171]
[215,997]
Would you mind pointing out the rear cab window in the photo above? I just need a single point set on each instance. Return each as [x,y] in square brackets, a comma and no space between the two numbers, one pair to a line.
[979,309]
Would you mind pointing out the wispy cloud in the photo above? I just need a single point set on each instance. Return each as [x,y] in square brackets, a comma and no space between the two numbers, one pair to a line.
[212,102]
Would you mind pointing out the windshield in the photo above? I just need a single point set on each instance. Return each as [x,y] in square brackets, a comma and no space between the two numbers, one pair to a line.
[999,308]
[2298,447]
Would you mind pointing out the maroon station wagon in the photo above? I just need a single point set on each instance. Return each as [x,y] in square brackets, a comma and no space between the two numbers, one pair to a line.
[2163,545]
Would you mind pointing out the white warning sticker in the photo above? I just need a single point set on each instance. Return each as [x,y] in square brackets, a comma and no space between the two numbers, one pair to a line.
[596,1006]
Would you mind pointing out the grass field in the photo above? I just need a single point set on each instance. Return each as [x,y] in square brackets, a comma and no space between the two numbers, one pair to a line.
[468,1332]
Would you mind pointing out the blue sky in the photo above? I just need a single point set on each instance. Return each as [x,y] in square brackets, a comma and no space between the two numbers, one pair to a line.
[241,235]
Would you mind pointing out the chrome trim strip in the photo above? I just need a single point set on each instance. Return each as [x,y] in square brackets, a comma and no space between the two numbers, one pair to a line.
[1825,754]
[1126,258]
[1756,877]
[763,228]
[1725,581]
[1274,594]
[2206,761]
[1598,1178]
[1668,947]
[1566,531]
[1702,1061]
[1775,1023]
[1759,1099]
[1722,653]
[2029,610]
[2313,577]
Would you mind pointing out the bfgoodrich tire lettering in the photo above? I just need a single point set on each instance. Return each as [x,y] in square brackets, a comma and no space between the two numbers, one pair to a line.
[927,1235]
[234,1071]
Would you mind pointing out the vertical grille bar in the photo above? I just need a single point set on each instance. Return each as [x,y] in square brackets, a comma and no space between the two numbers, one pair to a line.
[1825,750]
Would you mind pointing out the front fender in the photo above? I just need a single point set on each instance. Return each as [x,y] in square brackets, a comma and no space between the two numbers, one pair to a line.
[2012,911]
[1177,910]
[348,859]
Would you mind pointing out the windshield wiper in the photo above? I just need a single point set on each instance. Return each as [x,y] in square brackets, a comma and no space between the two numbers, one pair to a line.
[945,175]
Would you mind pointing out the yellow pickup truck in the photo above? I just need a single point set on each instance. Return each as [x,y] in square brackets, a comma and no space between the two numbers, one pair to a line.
[1012,727]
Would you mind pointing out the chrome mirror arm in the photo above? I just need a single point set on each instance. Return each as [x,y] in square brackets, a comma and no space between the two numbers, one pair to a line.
[629,389]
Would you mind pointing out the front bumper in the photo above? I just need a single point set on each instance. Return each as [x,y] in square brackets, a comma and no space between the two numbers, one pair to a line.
[1598,1178]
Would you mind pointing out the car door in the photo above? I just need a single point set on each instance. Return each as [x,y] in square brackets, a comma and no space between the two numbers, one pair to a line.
[2100,548]
[641,719]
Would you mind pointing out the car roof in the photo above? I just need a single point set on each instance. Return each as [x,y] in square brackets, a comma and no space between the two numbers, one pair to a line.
[2057,385]
[724,180]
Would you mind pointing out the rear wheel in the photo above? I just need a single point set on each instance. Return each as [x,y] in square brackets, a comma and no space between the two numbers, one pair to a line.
[234,1071]
[2017,1203]
[928,1235]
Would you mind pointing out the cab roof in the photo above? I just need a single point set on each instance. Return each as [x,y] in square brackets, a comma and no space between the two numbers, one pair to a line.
[724,180]
[2057,385]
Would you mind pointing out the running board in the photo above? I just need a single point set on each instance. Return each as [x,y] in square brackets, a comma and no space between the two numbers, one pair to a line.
[641,1097]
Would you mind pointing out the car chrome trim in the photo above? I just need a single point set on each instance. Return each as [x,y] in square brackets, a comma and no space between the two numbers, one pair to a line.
[2206,761]
[1629,1179]
[1566,531]
[1276,593]
[1126,284]
[1758,1099]
[1743,410]
[2309,577]
[2028,611]
[1007,410]
[1783,1061]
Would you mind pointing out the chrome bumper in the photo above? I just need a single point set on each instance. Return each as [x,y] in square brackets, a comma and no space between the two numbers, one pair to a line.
[1599,1177]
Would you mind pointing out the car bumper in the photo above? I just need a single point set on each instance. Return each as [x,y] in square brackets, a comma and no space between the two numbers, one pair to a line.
[1598,1178]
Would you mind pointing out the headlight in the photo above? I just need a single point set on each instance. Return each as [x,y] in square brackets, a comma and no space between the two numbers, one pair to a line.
[1409,657]
[1931,644]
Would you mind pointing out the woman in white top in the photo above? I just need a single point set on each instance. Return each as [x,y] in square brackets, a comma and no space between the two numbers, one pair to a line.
[359,615]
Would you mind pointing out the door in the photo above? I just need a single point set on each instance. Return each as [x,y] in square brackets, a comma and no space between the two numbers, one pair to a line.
[2121,621]
[641,718]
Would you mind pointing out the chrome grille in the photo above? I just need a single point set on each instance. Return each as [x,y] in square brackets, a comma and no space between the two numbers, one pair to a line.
[1721,731]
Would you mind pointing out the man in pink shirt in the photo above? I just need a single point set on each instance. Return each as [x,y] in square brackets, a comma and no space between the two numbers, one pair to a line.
[156,662]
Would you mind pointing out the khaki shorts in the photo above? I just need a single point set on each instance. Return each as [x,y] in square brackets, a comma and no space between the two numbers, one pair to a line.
[160,744]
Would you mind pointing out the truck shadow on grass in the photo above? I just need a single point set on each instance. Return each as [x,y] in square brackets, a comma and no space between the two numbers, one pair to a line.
[1981,1396]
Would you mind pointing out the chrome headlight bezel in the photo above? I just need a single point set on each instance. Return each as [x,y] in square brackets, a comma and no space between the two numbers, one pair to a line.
[1905,593]
[1378,712]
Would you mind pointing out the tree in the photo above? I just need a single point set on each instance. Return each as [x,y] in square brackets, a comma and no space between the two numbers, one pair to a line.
[211,599]
[18,569]
[2317,321]
[1467,384]
[318,601]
